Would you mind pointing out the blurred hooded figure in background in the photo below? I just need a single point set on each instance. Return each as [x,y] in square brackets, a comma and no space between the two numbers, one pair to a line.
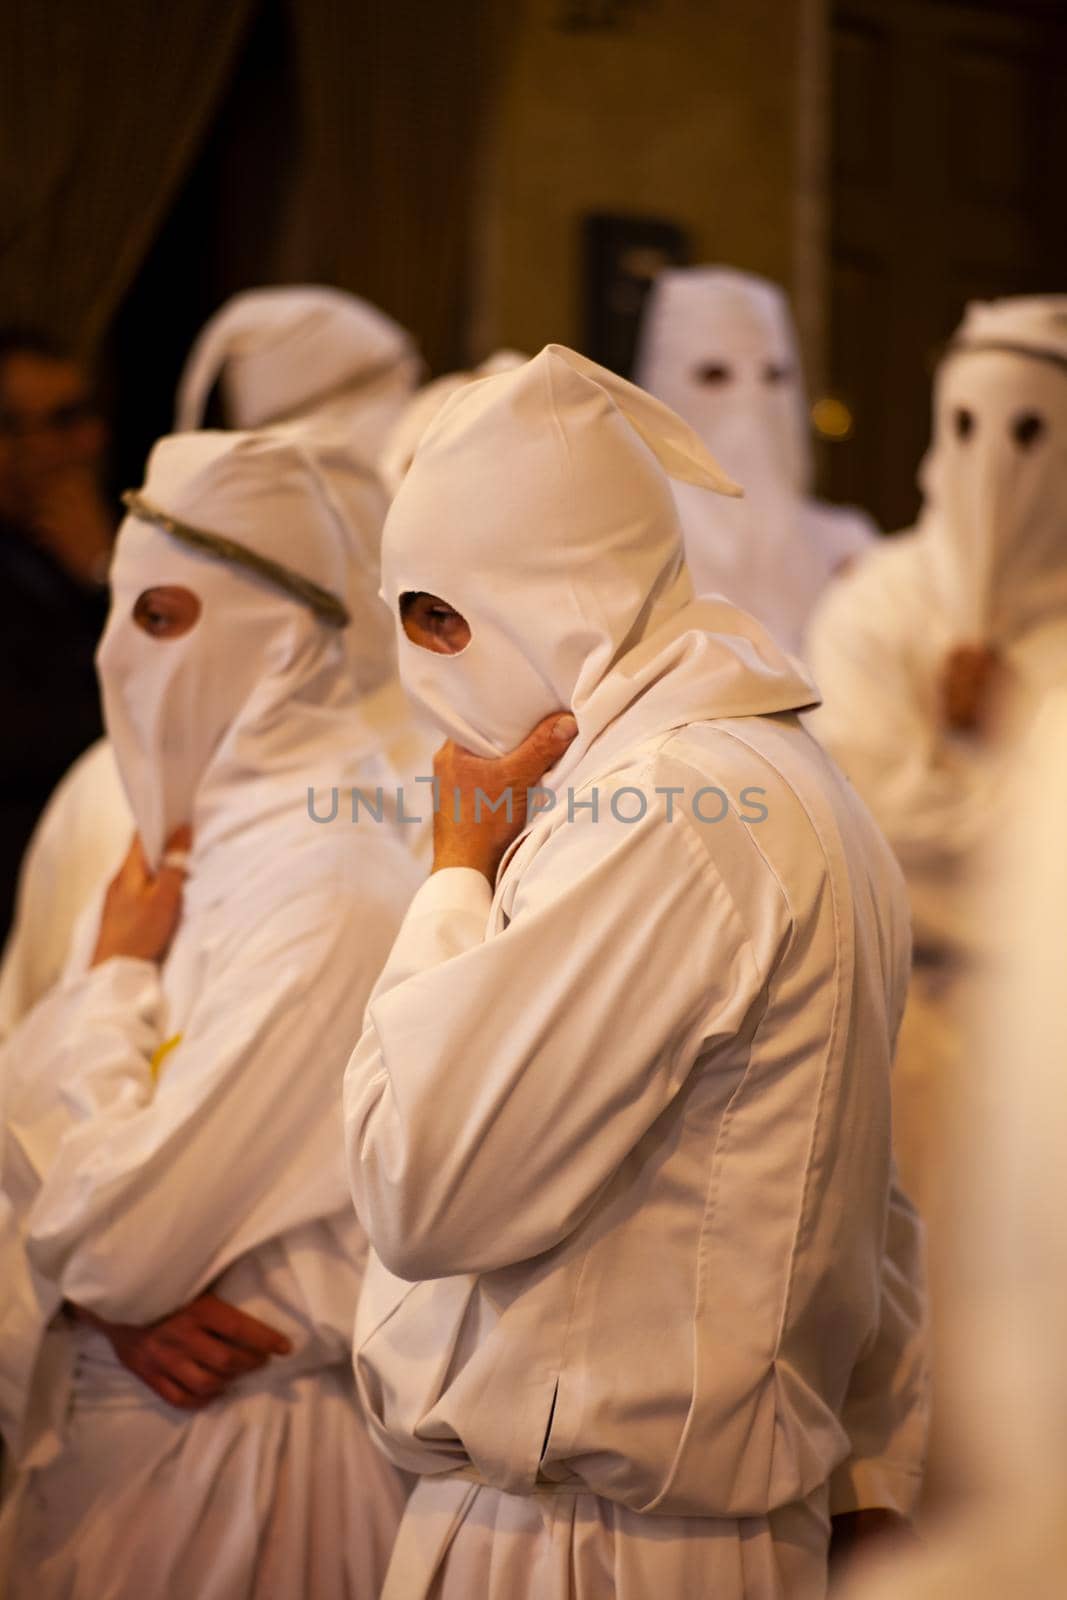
[618,1124]
[335,373]
[934,653]
[173,1165]
[403,440]
[1002,1315]
[719,347]
[282,354]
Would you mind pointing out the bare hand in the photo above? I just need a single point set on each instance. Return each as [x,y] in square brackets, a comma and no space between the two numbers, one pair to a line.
[142,909]
[972,684]
[190,1357]
[469,785]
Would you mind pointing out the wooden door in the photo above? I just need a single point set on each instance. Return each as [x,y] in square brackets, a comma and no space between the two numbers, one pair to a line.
[948,169]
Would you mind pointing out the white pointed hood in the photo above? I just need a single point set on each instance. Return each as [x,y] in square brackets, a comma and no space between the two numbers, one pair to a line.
[538,504]
[403,440]
[338,373]
[719,346]
[260,688]
[283,352]
[995,477]
[358,496]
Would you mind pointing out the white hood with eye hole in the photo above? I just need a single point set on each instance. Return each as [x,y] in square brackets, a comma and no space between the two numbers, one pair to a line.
[719,346]
[257,699]
[338,373]
[538,505]
[995,477]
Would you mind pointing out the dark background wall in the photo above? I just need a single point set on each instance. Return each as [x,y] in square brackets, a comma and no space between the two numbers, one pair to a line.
[226,229]
[948,146]
[885,159]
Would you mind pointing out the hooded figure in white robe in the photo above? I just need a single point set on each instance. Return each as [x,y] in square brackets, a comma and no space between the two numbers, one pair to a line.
[286,353]
[176,1127]
[977,589]
[618,1124]
[336,373]
[719,346]
[1003,1284]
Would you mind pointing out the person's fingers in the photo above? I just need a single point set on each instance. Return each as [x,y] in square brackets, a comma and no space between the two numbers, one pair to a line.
[177,1396]
[153,1367]
[168,884]
[544,745]
[182,1369]
[170,1391]
[552,734]
[238,1327]
[179,843]
[541,749]
[220,1356]
[232,1361]
[166,889]
[170,874]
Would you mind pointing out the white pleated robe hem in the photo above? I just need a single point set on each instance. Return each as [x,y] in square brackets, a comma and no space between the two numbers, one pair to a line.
[276,1493]
[460,1539]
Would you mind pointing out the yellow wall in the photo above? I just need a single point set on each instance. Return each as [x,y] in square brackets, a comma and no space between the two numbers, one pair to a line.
[687,110]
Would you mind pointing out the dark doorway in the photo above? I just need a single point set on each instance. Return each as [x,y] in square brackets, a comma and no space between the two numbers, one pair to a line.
[949,145]
[222,234]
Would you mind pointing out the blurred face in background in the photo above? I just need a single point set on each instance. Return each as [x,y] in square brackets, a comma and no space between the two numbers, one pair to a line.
[49,428]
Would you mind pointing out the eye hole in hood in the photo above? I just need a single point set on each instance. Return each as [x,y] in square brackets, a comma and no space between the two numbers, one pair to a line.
[713,372]
[433,624]
[963,422]
[1028,429]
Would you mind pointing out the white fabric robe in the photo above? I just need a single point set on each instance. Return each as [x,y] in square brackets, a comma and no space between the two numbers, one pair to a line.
[985,567]
[877,648]
[176,1128]
[85,830]
[134,1195]
[1003,1287]
[730,551]
[78,843]
[619,1133]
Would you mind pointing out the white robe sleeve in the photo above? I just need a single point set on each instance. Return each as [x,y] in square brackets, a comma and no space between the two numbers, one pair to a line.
[501,1081]
[89,1043]
[887,1409]
[881,720]
[147,1190]
[76,848]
